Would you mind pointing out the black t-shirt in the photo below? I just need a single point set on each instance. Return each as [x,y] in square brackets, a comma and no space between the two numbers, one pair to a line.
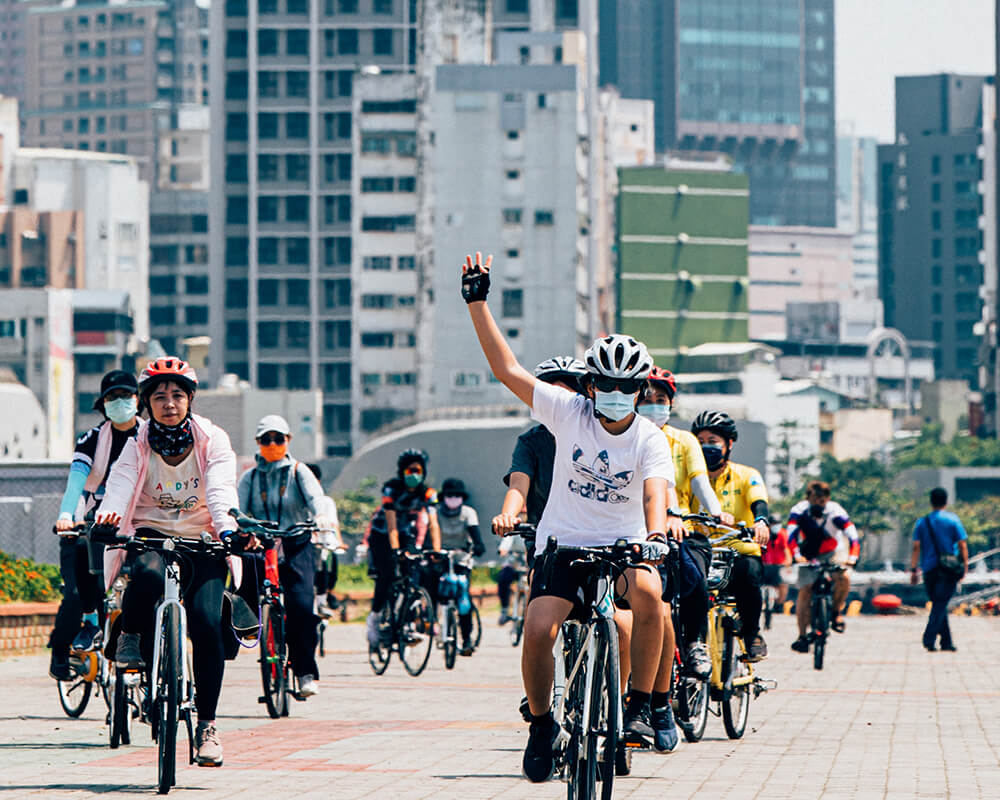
[534,455]
[408,506]
[86,447]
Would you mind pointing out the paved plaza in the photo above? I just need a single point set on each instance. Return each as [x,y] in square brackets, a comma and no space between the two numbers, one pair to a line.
[884,719]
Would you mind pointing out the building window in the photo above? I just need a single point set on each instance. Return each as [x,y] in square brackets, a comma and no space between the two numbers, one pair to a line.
[378,301]
[196,315]
[161,285]
[267,6]
[401,378]
[195,254]
[297,83]
[267,250]
[196,284]
[268,334]
[936,275]
[297,125]
[347,42]
[403,222]
[375,144]
[382,42]
[236,168]
[406,263]
[236,293]
[935,303]
[376,339]
[376,184]
[407,183]
[267,126]
[268,376]
[517,6]
[236,210]
[237,251]
[297,251]
[297,334]
[267,84]
[267,292]
[236,127]
[236,334]
[347,6]
[267,168]
[297,208]
[297,43]
[337,250]
[935,165]
[512,216]
[267,209]
[544,218]
[936,220]
[267,42]
[297,167]
[513,303]
[162,315]
[297,6]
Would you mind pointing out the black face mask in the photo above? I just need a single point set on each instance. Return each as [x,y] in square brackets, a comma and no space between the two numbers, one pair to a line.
[715,456]
[170,440]
[817,510]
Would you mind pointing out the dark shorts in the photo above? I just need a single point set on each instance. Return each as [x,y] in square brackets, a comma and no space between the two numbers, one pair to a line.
[553,576]
[772,575]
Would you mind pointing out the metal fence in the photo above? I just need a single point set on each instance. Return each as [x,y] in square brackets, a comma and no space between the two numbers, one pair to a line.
[26,527]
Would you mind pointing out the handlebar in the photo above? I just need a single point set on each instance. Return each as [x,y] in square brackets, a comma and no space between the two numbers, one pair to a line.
[170,544]
[739,530]
[523,529]
[269,532]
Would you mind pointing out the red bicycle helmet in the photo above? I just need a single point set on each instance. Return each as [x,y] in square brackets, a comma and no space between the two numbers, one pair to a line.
[168,368]
[663,379]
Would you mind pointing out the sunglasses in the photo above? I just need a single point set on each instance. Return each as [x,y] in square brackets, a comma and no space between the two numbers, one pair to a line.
[272,438]
[414,470]
[626,385]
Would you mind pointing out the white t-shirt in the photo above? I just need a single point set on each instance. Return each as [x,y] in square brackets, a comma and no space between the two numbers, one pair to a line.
[597,478]
[173,499]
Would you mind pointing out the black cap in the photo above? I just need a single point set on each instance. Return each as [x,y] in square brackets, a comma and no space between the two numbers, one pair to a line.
[116,379]
[454,487]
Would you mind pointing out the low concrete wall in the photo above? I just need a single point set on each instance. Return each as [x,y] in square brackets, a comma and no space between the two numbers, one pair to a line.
[25,626]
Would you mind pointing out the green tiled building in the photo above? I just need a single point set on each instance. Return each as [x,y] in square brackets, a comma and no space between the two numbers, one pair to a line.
[682,257]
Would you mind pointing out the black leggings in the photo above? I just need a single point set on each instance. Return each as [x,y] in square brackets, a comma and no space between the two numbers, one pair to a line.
[505,581]
[297,573]
[81,592]
[744,582]
[382,568]
[326,572]
[202,581]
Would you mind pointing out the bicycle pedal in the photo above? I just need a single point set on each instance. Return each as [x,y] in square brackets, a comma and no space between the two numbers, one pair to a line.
[261,699]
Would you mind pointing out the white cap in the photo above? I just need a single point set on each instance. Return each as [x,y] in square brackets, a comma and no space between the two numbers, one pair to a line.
[272,422]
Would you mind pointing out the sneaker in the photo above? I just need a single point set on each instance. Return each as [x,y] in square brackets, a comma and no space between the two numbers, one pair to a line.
[539,761]
[504,617]
[467,650]
[801,645]
[372,629]
[664,731]
[623,760]
[323,608]
[59,668]
[950,648]
[128,655]
[638,726]
[207,745]
[698,660]
[308,687]
[90,637]
[758,649]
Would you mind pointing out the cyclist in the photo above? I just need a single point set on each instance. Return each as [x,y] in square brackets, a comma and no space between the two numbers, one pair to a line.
[742,493]
[612,478]
[820,529]
[284,491]
[459,525]
[96,452]
[327,542]
[529,478]
[176,477]
[408,513]
[691,474]
[777,556]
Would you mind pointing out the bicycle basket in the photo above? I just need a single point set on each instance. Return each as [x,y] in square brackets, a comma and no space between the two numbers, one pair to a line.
[722,565]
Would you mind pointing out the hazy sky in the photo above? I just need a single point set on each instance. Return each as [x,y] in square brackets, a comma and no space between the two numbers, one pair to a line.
[880,39]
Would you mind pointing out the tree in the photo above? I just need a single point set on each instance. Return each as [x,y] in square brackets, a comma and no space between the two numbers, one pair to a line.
[355,508]
[789,458]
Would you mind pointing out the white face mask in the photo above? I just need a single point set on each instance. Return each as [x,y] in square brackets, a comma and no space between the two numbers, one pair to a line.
[453,502]
[656,413]
[615,405]
[121,410]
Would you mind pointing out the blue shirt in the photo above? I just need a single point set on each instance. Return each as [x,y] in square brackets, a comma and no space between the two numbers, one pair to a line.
[948,532]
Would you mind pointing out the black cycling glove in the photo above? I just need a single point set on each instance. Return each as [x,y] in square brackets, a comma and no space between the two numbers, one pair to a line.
[475,285]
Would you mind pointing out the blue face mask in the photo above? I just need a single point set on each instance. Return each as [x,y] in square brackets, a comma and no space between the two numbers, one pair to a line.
[121,410]
[658,414]
[615,405]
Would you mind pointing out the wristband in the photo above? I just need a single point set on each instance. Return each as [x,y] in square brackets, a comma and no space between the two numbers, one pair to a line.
[760,519]
[475,286]
[656,536]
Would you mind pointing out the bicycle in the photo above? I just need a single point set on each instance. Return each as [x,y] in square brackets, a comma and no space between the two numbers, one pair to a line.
[326,555]
[732,682]
[170,697]
[586,691]
[521,591]
[275,667]
[821,613]
[450,592]
[406,621]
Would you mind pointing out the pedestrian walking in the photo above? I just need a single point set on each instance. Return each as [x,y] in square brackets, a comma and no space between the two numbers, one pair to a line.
[941,552]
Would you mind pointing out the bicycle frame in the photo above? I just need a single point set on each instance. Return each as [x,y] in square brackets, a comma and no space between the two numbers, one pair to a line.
[171,597]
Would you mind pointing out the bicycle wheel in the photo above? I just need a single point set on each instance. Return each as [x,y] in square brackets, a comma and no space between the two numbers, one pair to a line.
[449,636]
[604,708]
[580,762]
[121,710]
[820,623]
[416,630]
[692,707]
[735,698]
[768,607]
[74,694]
[517,623]
[274,661]
[167,697]
[378,657]
[320,636]
[477,628]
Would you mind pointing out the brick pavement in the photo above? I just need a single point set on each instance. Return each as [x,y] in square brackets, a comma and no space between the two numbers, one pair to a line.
[885,719]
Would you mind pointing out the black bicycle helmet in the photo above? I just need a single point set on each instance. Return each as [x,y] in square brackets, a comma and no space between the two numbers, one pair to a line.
[718,422]
[411,456]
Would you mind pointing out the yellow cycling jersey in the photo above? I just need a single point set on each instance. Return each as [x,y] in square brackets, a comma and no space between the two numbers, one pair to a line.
[688,462]
[738,487]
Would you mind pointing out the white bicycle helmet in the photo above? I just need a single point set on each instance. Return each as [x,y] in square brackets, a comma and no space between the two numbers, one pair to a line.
[618,356]
[560,368]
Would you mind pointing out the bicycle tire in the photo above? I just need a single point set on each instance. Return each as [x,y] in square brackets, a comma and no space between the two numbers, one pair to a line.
[735,699]
[273,661]
[74,694]
[821,621]
[692,707]
[416,630]
[320,637]
[608,691]
[449,636]
[477,628]
[378,657]
[167,687]
[121,711]
[768,608]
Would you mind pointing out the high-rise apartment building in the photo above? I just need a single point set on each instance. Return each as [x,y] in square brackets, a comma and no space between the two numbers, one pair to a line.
[13,47]
[857,205]
[751,78]
[930,235]
[281,82]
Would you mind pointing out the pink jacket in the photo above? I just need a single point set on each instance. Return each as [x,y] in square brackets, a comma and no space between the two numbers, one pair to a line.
[217,464]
